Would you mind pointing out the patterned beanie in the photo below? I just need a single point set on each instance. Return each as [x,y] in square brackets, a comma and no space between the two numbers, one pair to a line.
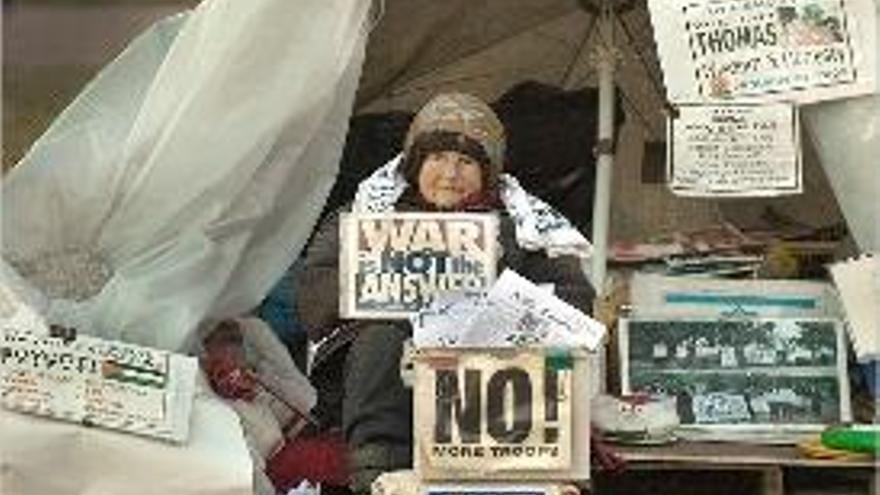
[464,114]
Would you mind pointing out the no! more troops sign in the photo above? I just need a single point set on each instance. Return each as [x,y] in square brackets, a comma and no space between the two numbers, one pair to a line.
[484,412]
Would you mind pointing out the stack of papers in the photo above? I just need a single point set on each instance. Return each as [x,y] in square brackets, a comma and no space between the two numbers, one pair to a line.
[514,312]
[858,283]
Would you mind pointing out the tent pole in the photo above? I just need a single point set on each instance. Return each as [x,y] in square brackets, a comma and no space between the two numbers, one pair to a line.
[605,61]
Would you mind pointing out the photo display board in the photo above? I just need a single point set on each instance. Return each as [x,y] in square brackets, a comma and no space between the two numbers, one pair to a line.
[744,373]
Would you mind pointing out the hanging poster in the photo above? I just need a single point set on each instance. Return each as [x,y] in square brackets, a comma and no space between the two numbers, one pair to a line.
[487,413]
[772,374]
[97,382]
[796,50]
[393,264]
[734,150]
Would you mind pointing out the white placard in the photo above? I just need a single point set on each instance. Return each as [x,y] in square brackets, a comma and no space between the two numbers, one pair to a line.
[393,264]
[488,413]
[858,285]
[98,382]
[734,150]
[797,50]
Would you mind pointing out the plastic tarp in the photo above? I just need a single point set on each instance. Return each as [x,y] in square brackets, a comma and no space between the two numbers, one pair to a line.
[184,179]
[847,138]
[45,457]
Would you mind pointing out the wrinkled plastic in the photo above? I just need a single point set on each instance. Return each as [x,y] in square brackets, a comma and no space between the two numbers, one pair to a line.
[847,138]
[190,172]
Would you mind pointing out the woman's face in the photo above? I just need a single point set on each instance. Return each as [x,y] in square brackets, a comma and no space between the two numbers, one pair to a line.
[448,177]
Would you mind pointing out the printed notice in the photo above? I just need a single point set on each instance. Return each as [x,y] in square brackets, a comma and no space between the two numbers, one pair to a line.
[394,264]
[97,382]
[734,150]
[797,50]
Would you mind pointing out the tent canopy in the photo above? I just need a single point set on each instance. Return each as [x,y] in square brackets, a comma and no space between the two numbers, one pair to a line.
[420,47]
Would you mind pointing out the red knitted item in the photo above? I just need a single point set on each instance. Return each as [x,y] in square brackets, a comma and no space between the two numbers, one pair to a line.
[224,363]
[604,456]
[320,459]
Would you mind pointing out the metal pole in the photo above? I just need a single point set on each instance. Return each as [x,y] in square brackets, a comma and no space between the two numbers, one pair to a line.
[605,62]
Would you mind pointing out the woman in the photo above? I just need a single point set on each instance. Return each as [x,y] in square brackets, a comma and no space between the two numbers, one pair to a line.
[452,161]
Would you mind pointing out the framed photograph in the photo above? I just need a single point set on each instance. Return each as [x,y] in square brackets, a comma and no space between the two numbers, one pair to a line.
[770,374]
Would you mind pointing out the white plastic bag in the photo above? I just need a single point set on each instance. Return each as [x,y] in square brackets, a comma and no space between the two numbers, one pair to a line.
[186,177]
[847,138]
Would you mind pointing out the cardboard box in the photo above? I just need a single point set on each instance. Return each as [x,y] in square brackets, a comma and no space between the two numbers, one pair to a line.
[502,414]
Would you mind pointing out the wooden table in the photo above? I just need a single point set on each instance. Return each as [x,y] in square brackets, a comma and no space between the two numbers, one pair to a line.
[772,463]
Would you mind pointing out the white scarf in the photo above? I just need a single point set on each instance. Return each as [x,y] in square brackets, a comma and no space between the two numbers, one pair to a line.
[538,225]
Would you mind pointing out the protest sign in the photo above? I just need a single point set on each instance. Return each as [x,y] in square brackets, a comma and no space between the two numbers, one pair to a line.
[501,414]
[97,382]
[798,50]
[734,150]
[393,264]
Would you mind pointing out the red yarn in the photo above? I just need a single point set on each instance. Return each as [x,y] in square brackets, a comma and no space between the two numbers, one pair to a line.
[319,459]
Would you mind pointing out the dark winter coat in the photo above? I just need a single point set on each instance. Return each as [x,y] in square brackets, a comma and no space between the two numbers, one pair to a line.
[318,290]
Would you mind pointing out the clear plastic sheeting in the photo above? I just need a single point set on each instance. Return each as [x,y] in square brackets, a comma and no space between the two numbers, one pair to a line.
[46,457]
[190,172]
[847,137]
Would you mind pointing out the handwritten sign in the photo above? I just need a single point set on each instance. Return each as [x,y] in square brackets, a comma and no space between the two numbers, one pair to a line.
[97,382]
[799,50]
[394,264]
[486,413]
[735,150]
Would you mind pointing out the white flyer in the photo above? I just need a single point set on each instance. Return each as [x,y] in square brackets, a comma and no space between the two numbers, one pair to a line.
[97,382]
[734,150]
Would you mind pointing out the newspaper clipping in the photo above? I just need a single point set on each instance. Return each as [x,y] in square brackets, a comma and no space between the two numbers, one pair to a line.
[97,383]
[735,150]
[804,50]
[393,264]
[486,412]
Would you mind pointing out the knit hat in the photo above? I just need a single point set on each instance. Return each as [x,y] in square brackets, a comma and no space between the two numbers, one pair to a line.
[464,114]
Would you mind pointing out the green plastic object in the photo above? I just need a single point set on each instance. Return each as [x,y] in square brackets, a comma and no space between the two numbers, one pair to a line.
[852,439]
[559,359]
